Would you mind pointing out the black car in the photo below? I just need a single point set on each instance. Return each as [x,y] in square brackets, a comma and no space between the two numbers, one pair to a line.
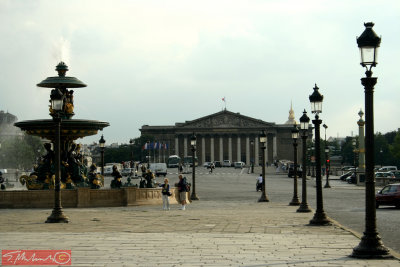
[291,171]
[352,179]
[344,176]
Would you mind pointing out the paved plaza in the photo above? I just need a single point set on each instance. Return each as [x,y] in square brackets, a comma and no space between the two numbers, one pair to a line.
[218,230]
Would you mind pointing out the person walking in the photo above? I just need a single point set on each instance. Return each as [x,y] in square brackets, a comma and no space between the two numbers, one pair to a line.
[165,194]
[182,185]
[212,166]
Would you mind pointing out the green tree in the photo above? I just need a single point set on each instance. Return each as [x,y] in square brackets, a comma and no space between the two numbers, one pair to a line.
[20,152]
[395,149]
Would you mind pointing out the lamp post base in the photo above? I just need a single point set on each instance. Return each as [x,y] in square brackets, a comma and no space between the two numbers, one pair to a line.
[263,198]
[371,247]
[303,208]
[320,219]
[327,185]
[57,216]
[194,197]
[295,201]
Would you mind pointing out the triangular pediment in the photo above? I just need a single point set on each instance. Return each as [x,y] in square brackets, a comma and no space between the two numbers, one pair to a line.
[225,119]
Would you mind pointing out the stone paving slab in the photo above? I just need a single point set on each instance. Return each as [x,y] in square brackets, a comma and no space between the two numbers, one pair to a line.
[208,233]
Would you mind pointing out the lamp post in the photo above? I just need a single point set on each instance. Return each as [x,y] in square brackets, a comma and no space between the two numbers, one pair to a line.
[263,141]
[304,123]
[380,154]
[309,158]
[327,165]
[371,245]
[316,107]
[102,143]
[57,103]
[193,140]
[295,135]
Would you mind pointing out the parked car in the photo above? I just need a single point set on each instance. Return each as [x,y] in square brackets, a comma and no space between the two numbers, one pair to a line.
[159,169]
[396,174]
[387,168]
[344,176]
[127,171]
[226,163]
[238,165]
[388,196]
[346,168]
[384,175]
[207,164]
[291,171]
[217,164]
[352,179]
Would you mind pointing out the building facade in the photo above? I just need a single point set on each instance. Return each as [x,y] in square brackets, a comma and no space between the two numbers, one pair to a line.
[226,135]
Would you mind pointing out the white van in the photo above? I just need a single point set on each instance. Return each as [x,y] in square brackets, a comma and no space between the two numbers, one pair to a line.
[158,169]
[387,168]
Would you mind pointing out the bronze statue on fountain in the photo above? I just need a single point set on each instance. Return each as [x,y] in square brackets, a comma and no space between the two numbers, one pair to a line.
[74,173]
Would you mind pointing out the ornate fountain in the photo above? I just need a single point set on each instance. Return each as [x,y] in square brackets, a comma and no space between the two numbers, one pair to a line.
[73,171]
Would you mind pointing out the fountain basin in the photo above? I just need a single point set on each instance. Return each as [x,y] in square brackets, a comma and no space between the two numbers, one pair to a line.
[71,129]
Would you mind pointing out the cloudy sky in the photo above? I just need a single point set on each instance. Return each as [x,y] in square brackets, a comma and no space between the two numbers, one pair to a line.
[161,62]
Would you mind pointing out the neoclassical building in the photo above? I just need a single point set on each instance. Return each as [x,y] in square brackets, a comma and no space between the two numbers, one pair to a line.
[226,135]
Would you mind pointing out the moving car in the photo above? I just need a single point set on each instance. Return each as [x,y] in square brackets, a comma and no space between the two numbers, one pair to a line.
[127,171]
[388,196]
[158,169]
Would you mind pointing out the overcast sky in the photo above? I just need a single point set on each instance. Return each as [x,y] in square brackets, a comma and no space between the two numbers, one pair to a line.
[161,62]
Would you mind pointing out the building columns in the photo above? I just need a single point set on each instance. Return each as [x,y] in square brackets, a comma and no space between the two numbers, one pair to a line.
[221,148]
[185,146]
[256,150]
[212,148]
[247,150]
[239,152]
[176,146]
[203,149]
[230,149]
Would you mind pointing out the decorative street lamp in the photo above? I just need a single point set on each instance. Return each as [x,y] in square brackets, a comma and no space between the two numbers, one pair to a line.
[327,165]
[304,123]
[371,245]
[309,158]
[102,143]
[193,140]
[316,107]
[57,103]
[295,135]
[263,141]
